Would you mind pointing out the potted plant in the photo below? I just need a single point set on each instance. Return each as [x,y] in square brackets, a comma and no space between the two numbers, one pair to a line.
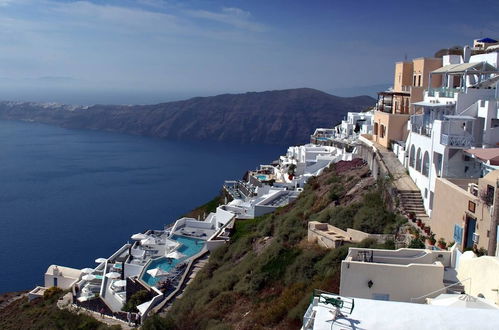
[431,240]
[419,222]
[427,230]
[442,244]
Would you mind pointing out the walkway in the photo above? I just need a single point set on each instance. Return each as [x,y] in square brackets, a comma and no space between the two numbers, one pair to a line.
[409,193]
[191,274]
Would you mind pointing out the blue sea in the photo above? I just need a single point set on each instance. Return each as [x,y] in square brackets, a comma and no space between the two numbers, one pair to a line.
[68,197]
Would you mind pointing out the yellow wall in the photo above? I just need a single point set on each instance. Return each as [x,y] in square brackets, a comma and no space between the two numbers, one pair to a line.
[450,207]
[423,66]
[395,127]
[403,75]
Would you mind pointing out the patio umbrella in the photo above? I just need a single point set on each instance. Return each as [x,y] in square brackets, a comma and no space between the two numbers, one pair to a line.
[171,243]
[89,277]
[175,255]
[139,236]
[113,275]
[87,270]
[120,283]
[100,260]
[144,307]
[461,300]
[148,241]
[157,272]
[83,298]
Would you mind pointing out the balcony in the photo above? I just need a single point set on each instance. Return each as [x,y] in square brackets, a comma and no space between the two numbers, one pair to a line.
[419,125]
[443,92]
[457,132]
[459,141]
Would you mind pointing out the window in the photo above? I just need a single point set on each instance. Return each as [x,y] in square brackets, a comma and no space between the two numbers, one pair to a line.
[414,80]
[375,129]
[381,296]
[412,154]
[418,160]
[382,131]
[419,81]
[426,163]
[471,206]
[489,197]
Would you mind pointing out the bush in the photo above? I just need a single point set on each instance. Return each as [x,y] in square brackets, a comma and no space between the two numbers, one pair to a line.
[136,299]
[52,294]
[416,243]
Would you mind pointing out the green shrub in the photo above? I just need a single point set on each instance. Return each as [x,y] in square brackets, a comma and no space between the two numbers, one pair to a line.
[416,243]
[136,299]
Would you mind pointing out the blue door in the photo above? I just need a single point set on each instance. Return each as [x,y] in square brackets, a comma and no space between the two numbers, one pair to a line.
[470,230]
[55,281]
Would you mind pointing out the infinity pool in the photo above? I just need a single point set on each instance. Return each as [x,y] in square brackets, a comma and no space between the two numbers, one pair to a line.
[190,247]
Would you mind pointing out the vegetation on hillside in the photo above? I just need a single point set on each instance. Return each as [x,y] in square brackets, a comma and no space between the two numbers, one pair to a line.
[44,314]
[265,276]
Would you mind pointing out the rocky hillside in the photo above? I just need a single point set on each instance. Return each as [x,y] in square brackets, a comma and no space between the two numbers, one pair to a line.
[272,117]
[264,277]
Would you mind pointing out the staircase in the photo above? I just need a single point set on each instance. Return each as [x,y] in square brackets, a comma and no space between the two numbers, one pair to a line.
[411,201]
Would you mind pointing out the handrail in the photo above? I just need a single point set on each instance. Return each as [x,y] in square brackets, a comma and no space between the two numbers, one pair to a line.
[444,288]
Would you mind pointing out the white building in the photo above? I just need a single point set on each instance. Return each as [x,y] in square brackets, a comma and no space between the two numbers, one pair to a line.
[460,115]
[355,124]
[408,275]
[390,315]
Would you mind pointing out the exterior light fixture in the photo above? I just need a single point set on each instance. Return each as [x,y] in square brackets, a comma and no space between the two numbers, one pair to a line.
[370,284]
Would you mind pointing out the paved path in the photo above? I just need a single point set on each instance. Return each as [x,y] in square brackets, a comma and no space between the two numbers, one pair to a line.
[409,193]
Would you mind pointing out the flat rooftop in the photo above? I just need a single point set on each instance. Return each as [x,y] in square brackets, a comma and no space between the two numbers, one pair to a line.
[377,314]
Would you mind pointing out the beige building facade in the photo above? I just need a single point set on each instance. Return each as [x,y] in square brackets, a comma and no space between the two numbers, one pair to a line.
[462,210]
[394,107]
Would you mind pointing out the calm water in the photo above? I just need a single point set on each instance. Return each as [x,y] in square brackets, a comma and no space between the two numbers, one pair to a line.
[70,196]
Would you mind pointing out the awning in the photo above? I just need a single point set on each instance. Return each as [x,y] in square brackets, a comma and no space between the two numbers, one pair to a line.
[457,117]
[487,40]
[433,105]
[143,307]
[462,67]
[489,155]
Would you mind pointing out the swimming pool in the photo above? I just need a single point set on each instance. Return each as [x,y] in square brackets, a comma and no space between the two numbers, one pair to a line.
[190,247]
[261,177]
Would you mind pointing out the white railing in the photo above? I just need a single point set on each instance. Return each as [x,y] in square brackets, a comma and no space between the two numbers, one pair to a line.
[454,140]
[433,293]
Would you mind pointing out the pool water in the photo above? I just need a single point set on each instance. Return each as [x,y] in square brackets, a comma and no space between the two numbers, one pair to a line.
[261,177]
[190,247]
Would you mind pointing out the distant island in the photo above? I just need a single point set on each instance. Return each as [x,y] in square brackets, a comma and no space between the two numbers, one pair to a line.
[271,117]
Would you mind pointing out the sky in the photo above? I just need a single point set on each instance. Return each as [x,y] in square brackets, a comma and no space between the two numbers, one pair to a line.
[147,51]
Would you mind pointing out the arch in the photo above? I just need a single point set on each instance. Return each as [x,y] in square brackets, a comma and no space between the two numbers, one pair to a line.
[412,155]
[418,160]
[375,129]
[426,164]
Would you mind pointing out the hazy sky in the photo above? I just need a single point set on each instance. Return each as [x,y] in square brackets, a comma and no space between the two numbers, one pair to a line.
[189,47]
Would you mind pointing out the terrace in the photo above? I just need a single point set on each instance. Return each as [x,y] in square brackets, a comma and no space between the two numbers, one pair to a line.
[400,275]
[325,313]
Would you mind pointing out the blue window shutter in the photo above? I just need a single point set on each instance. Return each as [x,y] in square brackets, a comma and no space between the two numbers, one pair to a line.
[458,234]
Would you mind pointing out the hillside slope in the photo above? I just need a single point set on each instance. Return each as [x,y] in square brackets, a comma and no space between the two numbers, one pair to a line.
[265,276]
[272,117]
